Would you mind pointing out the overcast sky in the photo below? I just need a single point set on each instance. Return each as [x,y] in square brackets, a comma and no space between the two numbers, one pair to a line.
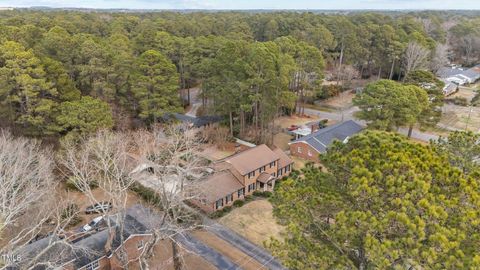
[250,4]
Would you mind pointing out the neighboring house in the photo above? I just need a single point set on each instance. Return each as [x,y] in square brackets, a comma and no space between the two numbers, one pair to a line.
[449,88]
[460,76]
[309,147]
[241,174]
[90,251]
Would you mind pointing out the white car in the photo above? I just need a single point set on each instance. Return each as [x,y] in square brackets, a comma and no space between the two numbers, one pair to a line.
[92,224]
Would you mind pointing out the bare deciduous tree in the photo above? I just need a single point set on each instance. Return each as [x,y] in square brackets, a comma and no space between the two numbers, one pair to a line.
[440,57]
[102,161]
[173,170]
[415,57]
[26,185]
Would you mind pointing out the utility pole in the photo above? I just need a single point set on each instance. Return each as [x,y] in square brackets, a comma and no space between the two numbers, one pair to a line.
[469,115]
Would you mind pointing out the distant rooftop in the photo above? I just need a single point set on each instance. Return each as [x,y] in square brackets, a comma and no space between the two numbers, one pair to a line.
[323,138]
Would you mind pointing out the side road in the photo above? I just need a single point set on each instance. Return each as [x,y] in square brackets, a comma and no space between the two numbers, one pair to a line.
[255,252]
[209,254]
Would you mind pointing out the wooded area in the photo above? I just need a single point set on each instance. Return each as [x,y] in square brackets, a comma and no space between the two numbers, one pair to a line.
[72,72]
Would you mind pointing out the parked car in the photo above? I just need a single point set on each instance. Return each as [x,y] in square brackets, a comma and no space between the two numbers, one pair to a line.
[293,127]
[100,207]
[92,224]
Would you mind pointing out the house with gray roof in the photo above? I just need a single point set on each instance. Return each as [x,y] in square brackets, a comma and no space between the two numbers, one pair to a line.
[459,76]
[310,146]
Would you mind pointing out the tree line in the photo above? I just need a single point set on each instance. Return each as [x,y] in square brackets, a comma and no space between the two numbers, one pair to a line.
[70,72]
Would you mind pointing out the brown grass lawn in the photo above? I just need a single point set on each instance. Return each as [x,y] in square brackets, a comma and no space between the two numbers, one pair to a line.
[464,92]
[287,121]
[212,152]
[254,221]
[281,140]
[238,257]
[343,100]
[298,163]
[459,118]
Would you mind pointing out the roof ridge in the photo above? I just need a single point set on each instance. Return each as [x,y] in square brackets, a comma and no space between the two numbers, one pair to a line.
[324,130]
[317,141]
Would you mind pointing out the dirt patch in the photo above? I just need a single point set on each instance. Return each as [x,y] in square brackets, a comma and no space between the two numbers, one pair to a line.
[254,221]
[241,259]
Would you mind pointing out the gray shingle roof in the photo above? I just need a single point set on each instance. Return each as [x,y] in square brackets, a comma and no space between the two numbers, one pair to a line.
[138,220]
[323,138]
[473,73]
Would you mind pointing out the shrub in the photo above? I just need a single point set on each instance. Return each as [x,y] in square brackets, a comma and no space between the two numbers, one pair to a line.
[147,194]
[460,101]
[71,213]
[264,194]
[221,213]
[248,198]
[238,203]
[70,184]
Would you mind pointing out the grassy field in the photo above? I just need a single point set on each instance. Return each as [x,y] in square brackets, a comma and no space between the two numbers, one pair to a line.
[462,118]
[254,221]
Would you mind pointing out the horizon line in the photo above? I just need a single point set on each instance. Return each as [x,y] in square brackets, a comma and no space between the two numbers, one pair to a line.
[244,9]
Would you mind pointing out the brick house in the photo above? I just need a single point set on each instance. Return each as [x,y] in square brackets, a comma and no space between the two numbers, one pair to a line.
[311,146]
[241,174]
[89,251]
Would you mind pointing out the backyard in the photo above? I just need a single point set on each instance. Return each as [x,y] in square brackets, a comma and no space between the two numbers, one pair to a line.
[254,221]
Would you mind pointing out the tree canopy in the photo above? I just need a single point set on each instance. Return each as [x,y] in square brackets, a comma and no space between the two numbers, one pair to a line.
[387,104]
[385,203]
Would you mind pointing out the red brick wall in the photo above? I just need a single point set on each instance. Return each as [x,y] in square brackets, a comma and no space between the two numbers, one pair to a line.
[132,250]
[304,151]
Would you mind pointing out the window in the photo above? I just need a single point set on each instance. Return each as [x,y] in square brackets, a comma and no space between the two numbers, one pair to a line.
[299,149]
[279,172]
[93,266]
[219,204]
[272,164]
[228,198]
[262,169]
[251,187]
[251,174]
[287,169]
[309,153]
[140,244]
[273,174]
[241,192]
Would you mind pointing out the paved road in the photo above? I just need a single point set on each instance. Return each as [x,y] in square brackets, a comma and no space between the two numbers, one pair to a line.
[195,102]
[196,246]
[348,114]
[255,252]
